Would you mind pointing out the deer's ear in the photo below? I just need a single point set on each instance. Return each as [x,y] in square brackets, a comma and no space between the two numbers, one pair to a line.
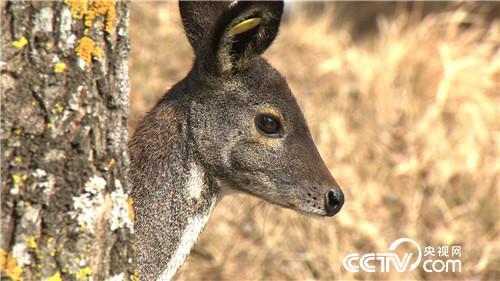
[227,35]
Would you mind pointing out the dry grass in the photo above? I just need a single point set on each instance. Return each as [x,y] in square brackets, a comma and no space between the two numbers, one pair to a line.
[408,123]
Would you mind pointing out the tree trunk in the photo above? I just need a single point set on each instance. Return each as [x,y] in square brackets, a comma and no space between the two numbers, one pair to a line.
[64,78]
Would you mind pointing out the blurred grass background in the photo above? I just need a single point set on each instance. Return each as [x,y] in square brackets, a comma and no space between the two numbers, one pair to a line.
[404,105]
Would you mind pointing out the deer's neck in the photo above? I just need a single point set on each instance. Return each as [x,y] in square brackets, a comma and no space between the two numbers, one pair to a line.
[173,196]
[194,189]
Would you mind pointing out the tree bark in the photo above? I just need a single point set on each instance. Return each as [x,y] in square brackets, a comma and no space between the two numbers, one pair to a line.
[64,78]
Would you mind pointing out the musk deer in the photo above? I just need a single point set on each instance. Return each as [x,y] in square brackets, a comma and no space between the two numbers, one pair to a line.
[232,123]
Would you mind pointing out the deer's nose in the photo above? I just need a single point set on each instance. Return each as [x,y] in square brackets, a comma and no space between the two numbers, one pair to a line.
[334,199]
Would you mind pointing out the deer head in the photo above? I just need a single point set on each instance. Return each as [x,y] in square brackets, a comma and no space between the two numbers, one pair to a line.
[231,124]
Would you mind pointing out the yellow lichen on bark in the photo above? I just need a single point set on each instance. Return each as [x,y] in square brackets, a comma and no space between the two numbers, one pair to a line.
[78,8]
[83,274]
[9,266]
[59,108]
[87,48]
[20,43]
[89,10]
[59,67]
[131,213]
[102,8]
[31,242]
[18,180]
[55,277]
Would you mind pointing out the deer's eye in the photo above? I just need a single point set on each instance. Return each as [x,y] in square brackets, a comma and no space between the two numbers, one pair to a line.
[269,125]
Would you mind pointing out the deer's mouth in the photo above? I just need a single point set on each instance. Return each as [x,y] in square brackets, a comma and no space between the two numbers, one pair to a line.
[311,211]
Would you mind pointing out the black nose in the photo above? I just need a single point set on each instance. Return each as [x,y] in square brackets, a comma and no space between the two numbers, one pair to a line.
[334,199]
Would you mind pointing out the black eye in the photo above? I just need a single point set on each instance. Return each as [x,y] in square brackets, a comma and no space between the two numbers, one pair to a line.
[269,125]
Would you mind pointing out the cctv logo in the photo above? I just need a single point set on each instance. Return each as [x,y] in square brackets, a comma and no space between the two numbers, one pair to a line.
[384,262]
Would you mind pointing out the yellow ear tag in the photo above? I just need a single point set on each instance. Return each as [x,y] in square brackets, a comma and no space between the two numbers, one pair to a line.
[244,26]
